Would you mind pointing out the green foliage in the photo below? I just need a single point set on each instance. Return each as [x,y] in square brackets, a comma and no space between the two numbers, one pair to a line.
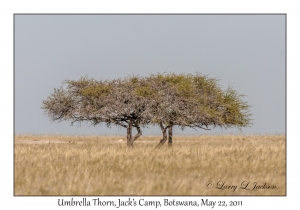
[144,91]
[57,105]
[236,112]
[134,80]
[186,88]
[181,83]
[167,78]
[96,90]
[81,83]
[205,84]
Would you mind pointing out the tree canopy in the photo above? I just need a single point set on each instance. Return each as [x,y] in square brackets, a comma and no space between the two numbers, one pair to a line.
[166,100]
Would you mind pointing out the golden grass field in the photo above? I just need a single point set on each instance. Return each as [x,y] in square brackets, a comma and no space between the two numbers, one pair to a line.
[194,165]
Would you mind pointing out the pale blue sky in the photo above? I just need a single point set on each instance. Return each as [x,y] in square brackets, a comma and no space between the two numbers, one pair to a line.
[245,51]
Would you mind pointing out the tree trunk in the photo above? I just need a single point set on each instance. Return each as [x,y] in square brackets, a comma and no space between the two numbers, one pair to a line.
[129,134]
[164,139]
[136,136]
[170,135]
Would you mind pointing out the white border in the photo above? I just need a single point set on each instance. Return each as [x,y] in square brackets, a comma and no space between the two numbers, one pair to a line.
[8,8]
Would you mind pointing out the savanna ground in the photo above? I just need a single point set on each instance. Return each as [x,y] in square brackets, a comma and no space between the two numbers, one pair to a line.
[194,165]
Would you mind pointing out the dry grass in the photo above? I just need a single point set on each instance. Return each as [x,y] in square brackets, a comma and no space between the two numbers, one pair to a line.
[101,165]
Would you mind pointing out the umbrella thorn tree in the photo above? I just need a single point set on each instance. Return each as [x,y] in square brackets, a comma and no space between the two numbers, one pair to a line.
[103,101]
[166,100]
[194,101]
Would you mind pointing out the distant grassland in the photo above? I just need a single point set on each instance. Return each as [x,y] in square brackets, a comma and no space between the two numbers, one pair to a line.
[194,165]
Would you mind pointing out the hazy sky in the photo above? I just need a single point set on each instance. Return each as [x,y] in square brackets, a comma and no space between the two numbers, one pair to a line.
[245,51]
